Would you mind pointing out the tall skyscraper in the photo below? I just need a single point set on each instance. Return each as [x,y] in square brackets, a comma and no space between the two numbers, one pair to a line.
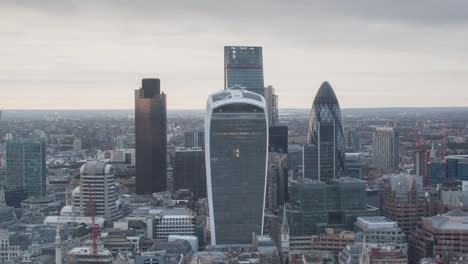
[194,139]
[278,139]
[422,158]
[236,138]
[151,138]
[386,149]
[318,163]
[190,172]
[272,190]
[26,167]
[99,177]
[277,181]
[272,105]
[326,136]
[243,66]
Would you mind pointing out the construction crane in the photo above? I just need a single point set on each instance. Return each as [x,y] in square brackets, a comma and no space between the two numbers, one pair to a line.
[91,211]
[442,156]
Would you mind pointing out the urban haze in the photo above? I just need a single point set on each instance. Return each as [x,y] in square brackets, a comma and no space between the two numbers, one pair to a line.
[214,132]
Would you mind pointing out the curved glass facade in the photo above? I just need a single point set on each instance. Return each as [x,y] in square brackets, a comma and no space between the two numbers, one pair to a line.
[325,130]
[237,135]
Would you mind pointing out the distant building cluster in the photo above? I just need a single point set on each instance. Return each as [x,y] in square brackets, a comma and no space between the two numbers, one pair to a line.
[239,182]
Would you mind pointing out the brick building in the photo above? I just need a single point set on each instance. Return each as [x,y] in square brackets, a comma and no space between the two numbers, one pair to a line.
[332,241]
[405,202]
[442,238]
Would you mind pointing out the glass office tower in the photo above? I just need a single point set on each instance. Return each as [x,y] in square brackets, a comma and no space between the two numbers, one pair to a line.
[150,138]
[236,139]
[316,205]
[243,66]
[326,131]
[190,172]
[26,170]
[278,139]
[386,149]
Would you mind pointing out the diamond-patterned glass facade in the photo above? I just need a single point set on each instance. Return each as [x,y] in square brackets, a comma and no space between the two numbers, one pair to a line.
[326,113]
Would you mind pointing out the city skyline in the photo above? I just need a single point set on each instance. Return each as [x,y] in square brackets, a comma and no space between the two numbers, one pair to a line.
[388,54]
[201,132]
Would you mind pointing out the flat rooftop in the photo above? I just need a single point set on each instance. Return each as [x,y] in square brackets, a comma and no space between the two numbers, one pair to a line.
[453,220]
[162,211]
[375,222]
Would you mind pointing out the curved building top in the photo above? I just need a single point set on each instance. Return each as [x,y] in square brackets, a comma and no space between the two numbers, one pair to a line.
[96,168]
[325,109]
[325,95]
[235,94]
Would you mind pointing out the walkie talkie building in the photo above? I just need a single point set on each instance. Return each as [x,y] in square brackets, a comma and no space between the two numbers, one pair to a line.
[236,140]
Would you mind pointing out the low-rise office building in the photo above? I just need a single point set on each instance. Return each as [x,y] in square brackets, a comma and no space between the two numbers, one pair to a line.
[380,230]
[332,241]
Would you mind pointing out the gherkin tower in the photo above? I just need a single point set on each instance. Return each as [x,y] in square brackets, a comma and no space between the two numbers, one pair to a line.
[326,134]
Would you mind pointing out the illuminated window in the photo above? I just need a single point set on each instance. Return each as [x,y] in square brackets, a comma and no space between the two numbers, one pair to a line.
[236,152]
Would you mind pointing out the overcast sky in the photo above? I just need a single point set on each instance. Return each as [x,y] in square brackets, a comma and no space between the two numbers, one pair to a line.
[93,54]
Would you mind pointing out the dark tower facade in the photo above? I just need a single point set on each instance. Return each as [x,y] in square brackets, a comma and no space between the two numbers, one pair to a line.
[243,66]
[190,172]
[150,137]
[326,134]
[278,139]
[26,171]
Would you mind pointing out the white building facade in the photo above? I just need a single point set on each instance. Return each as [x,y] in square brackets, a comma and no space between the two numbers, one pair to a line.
[98,177]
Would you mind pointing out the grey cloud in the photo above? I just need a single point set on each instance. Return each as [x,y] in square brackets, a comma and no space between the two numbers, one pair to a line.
[396,24]
[424,12]
[368,45]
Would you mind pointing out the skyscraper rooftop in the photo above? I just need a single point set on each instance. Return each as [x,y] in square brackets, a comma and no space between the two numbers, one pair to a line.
[325,94]
[244,66]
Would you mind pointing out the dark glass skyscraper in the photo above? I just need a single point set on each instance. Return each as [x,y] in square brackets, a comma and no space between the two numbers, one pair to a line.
[326,133]
[26,170]
[151,138]
[190,172]
[236,139]
[278,139]
[243,66]
[194,139]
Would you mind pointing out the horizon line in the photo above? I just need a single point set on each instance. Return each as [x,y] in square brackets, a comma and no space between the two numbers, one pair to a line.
[201,109]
